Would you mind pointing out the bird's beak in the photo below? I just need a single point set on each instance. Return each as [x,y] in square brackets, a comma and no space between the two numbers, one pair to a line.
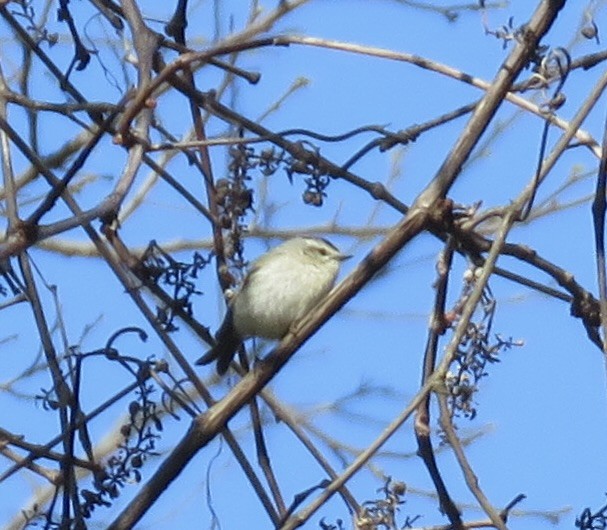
[344,257]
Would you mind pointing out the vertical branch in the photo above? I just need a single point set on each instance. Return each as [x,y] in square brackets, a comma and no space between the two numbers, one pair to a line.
[263,458]
[7,166]
[64,394]
[146,45]
[598,214]
[422,415]
[177,28]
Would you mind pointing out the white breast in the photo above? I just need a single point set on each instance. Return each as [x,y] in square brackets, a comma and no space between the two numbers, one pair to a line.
[279,292]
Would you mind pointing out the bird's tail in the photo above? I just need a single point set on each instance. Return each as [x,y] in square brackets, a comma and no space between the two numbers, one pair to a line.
[223,352]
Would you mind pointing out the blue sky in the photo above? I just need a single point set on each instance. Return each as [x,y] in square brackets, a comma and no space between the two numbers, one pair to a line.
[543,410]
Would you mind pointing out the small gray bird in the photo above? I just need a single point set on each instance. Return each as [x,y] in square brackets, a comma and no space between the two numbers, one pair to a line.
[281,287]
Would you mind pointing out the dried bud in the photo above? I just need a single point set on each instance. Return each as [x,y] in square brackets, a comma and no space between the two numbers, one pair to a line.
[399,488]
[591,31]
[558,101]
[243,199]
[222,189]
[308,197]
[225,222]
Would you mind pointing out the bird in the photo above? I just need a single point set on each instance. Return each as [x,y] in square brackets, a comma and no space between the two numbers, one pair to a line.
[281,287]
